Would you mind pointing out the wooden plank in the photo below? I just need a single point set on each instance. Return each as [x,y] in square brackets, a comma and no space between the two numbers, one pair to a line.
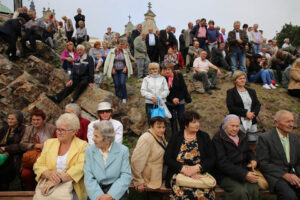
[17,194]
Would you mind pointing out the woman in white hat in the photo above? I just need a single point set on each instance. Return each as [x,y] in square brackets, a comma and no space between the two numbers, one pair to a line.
[104,112]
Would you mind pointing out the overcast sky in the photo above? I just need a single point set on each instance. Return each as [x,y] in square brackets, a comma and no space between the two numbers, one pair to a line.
[271,15]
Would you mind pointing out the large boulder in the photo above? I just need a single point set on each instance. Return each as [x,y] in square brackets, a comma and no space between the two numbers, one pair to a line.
[8,71]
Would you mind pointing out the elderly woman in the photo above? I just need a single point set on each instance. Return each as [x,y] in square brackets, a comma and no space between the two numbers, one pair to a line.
[154,85]
[68,56]
[294,85]
[62,159]
[147,158]
[95,53]
[10,137]
[33,142]
[107,173]
[171,57]
[176,98]
[104,51]
[190,152]
[234,159]
[118,65]
[243,102]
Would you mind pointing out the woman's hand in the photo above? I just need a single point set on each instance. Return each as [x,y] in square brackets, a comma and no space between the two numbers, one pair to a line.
[252,177]
[113,71]
[69,83]
[124,70]
[250,115]
[53,176]
[196,177]
[38,146]
[69,59]
[175,101]
[252,164]
[190,170]
[141,187]
[48,185]
[155,99]
[105,197]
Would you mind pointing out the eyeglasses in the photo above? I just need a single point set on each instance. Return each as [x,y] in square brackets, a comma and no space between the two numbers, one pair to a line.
[63,130]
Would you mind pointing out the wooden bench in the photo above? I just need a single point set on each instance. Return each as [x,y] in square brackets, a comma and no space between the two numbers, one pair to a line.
[16,195]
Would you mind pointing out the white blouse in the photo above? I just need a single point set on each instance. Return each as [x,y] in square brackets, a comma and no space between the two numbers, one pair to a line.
[61,162]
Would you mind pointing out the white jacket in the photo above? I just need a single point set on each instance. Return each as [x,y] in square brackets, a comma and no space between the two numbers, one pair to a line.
[118,127]
[154,85]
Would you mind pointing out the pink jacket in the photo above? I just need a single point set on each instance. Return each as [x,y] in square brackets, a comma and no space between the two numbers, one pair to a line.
[66,54]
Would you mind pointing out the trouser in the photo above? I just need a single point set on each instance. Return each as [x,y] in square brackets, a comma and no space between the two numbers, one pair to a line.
[272,76]
[263,75]
[32,37]
[184,54]
[142,66]
[105,189]
[176,111]
[69,35]
[120,84]
[278,72]
[28,179]
[212,45]
[11,44]
[79,85]
[295,92]
[238,56]
[152,52]
[235,190]
[285,191]
[52,42]
[189,61]
[7,173]
[204,76]
[256,48]
[202,44]
[67,66]
[221,62]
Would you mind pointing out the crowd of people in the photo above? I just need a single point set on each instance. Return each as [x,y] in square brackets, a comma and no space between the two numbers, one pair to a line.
[88,159]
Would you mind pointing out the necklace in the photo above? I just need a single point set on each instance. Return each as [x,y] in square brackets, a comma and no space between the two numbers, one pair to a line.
[189,137]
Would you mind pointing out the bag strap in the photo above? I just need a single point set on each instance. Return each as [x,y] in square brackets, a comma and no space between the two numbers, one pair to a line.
[164,147]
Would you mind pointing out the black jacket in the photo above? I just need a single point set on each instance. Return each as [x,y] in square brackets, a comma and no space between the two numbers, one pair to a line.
[206,149]
[84,69]
[232,160]
[24,16]
[163,39]
[254,68]
[12,145]
[78,18]
[134,34]
[178,89]
[181,43]
[235,104]
[11,28]
[46,34]
[195,30]
[147,41]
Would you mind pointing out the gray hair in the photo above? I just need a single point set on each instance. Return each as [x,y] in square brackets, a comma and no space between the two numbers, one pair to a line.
[279,114]
[69,119]
[75,107]
[285,39]
[80,22]
[106,129]
[80,46]
[236,22]
[227,118]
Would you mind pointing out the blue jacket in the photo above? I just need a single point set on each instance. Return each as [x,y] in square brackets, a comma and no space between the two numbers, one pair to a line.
[213,35]
[116,172]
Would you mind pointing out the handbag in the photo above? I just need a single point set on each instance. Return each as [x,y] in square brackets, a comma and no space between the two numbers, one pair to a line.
[3,158]
[262,182]
[62,191]
[158,110]
[206,181]
[30,157]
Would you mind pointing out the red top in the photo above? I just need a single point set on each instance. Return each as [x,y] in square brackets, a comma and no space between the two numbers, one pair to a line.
[82,132]
[180,59]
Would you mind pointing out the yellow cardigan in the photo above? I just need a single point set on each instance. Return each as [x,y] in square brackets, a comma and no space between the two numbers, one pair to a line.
[75,162]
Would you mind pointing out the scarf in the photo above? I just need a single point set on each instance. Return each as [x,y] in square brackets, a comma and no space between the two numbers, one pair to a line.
[170,80]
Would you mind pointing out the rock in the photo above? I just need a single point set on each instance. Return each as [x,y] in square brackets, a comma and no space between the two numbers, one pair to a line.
[8,71]
[52,110]
[57,79]
[138,120]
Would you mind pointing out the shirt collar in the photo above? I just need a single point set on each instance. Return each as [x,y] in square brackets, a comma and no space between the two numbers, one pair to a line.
[281,136]
[107,151]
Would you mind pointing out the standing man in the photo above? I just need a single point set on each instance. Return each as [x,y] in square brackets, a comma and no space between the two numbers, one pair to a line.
[199,32]
[152,45]
[134,34]
[140,54]
[68,27]
[79,17]
[278,153]
[223,32]
[237,40]
[173,31]
[165,40]
[257,39]
[188,40]
[108,37]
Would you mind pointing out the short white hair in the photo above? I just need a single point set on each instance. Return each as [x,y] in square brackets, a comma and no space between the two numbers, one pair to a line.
[75,107]
[106,129]
[68,119]
[279,114]
[236,22]
[80,46]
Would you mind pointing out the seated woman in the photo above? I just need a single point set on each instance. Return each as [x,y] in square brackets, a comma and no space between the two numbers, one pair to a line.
[171,57]
[118,65]
[256,73]
[34,139]
[267,67]
[10,137]
[154,85]
[107,173]
[62,158]
[147,158]
[234,161]
[294,85]
[104,51]
[176,98]
[95,53]
[189,152]
[243,102]
[179,56]
[68,56]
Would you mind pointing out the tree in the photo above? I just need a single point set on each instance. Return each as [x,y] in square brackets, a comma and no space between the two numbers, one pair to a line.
[289,31]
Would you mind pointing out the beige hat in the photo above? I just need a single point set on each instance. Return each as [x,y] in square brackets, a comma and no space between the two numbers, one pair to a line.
[104,106]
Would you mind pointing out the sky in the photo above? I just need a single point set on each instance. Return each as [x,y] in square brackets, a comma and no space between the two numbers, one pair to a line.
[271,15]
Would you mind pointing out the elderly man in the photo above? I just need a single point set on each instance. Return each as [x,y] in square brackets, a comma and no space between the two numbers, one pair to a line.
[237,39]
[203,70]
[152,45]
[135,33]
[257,39]
[187,39]
[79,17]
[81,76]
[219,56]
[140,54]
[193,53]
[10,32]
[104,112]
[199,32]
[33,31]
[68,27]
[278,154]
[81,34]
[223,32]
[286,43]
[166,39]
[109,36]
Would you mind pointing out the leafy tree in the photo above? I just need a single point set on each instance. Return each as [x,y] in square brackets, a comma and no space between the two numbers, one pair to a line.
[289,31]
